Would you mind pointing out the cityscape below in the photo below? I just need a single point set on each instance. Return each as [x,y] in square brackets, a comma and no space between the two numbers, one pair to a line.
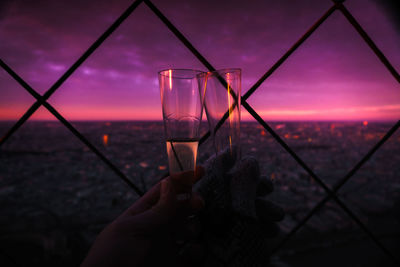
[54,189]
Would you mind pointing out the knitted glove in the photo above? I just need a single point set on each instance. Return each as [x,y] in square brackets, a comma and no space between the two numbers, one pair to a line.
[237,219]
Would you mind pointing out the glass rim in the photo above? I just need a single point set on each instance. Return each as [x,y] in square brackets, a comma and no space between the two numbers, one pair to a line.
[222,71]
[193,71]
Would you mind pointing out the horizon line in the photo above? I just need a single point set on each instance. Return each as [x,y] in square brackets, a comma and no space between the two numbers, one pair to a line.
[243,120]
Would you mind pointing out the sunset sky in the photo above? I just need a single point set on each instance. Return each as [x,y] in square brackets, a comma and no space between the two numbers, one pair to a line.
[334,75]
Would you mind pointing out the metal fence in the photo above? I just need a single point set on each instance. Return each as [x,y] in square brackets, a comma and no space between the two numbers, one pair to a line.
[337,6]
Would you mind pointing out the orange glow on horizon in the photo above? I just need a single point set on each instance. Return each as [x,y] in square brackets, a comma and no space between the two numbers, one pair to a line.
[384,112]
[363,114]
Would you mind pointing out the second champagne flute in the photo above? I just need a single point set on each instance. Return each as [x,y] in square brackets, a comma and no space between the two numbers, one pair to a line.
[222,105]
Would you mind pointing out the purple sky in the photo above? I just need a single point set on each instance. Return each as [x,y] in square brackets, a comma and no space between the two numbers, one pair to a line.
[333,76]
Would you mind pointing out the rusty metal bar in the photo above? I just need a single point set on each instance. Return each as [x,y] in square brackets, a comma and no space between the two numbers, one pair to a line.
[71,70]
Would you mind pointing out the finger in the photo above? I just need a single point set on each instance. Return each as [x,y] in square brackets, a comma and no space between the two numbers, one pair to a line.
[184,178]
[183,182]
[177,199]
[176,202]
[149,199]
[265,186]
[196,203]
[188,178]
[149,223]
[167,193]
[167,203]
[268,211]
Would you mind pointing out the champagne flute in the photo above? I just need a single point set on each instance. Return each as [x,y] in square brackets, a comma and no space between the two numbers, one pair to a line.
[182,106]
[222,106]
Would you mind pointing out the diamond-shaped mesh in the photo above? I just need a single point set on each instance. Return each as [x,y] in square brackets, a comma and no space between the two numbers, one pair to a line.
[41,100]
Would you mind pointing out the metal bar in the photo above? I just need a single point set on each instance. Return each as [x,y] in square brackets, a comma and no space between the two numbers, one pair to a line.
[366,157]
[92,48]
[28,113]
[69,126]
[16,77]
[289,52]
[219,124]
[9,258]
[41,100]
[299,225]
[319,181]
[338,186]
[93,148]
[68,73]
[179,35]
[284,145]
[255,115]
[274,67]
[387,252]
[19,123]
[189,46]
[226,115]
[204,138]
[369,41]
[386,62]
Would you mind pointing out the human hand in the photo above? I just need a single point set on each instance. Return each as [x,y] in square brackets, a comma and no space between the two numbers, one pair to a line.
[152,230]
[237,219]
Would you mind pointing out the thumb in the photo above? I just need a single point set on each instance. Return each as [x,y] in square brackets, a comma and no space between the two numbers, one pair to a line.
[173,204]
[156,218]
[166,205]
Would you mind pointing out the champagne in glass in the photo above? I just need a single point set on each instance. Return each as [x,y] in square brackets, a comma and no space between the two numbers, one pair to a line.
[182,154]
[182,106]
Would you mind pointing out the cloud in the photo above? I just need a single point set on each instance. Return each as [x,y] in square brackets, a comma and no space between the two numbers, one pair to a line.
[377,112]
[4,5]
[392,9]
[43,38]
